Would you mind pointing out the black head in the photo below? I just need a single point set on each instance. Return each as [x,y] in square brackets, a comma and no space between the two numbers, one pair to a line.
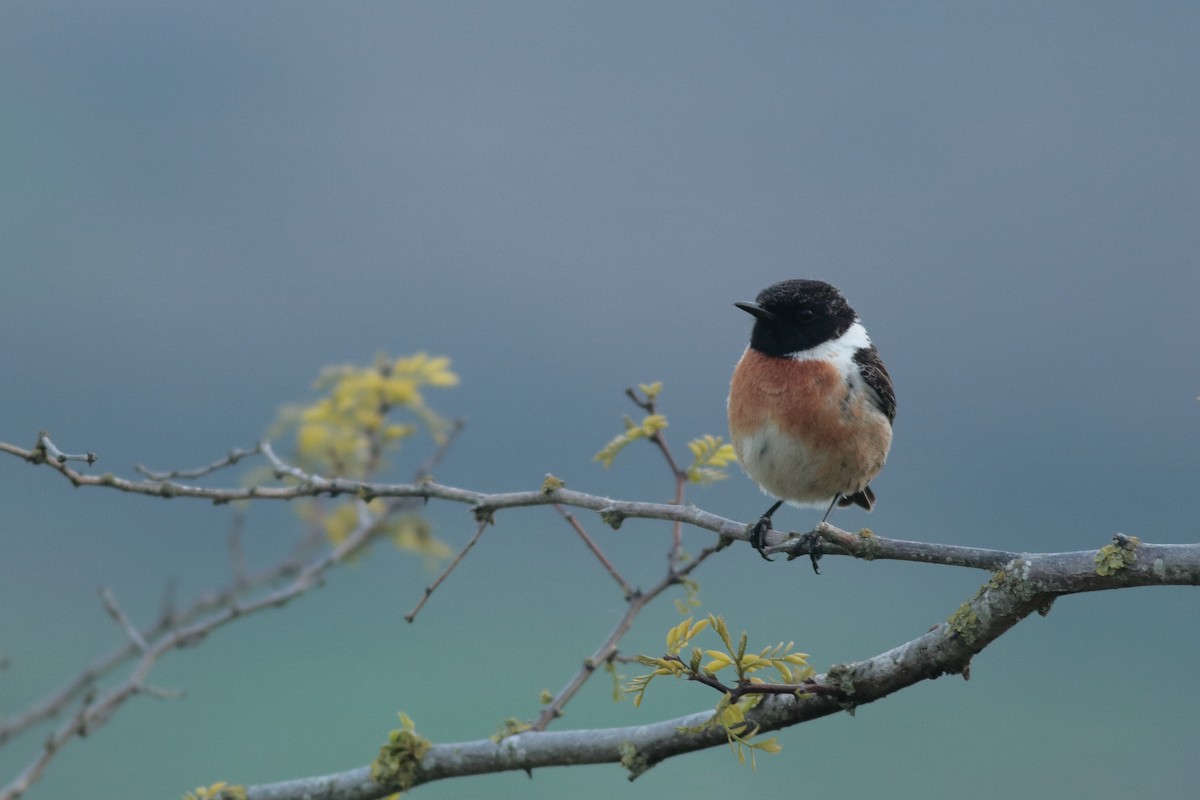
[795,315]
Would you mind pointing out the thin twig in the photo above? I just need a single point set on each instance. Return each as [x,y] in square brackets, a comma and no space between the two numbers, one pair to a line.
[435,458]
[161,693]
[743,688]
[167,613]
[237,555]
[636,601]
[114,611]
[283,469]
[77,725]
[675,553]
[235,455]
[94,714]
[411,615]
[168,618]
[169,632]
[607,651]
[591,544]
[45,451]
[646,404]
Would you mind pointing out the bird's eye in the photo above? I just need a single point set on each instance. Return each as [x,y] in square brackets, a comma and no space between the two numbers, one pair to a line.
[805,315]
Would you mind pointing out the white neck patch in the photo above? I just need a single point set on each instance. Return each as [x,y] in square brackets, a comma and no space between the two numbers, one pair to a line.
[840,351]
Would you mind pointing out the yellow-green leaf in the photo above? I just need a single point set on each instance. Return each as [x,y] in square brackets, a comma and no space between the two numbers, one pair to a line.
[651,390]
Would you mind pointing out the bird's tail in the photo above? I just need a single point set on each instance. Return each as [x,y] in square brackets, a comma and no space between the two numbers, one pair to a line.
[865,498]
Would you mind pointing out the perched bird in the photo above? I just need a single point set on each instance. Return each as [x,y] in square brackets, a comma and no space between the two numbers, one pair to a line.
[810,405]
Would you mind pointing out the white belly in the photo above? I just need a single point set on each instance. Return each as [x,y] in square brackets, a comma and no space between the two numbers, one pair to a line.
[789,471]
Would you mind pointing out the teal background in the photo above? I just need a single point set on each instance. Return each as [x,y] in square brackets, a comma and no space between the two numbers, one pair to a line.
[201,205]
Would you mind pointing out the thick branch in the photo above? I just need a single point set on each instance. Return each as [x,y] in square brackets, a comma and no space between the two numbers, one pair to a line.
[1027,584]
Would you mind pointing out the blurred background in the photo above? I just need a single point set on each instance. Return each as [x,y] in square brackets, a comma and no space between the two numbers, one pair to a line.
[202,205]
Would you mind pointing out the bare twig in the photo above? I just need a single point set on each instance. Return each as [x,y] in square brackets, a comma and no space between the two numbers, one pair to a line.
[167,614]
[636,600]
[431,588]
[114,611]
[649,404]
[836,541]
[76,726]
[176,629]
[425,470]
[169,617]
[235,455]
[161,693]
[591,544]
[237,555]
[97,712]
[608,649]
[315,483]
[44,451]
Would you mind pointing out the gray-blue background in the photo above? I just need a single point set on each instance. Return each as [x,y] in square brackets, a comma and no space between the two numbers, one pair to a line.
[203,204]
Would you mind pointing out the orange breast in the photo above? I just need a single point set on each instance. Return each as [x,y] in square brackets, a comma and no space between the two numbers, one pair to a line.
[802,398]
[800,432]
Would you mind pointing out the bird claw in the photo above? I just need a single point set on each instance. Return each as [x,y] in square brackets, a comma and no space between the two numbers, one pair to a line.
[758,536]
[812,543]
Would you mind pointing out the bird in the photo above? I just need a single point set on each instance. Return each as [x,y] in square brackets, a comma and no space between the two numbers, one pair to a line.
[811,404]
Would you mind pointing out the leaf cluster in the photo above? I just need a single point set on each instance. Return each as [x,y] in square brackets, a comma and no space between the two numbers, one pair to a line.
[218,791]
[650,425]
[730,714]
[346,431]
[361,416]
[710,454]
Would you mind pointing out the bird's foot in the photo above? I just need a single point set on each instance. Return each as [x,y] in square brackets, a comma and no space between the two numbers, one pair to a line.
[808,543]
[758,535]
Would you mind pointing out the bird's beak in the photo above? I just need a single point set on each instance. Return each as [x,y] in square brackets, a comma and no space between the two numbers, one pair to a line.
[757,310]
